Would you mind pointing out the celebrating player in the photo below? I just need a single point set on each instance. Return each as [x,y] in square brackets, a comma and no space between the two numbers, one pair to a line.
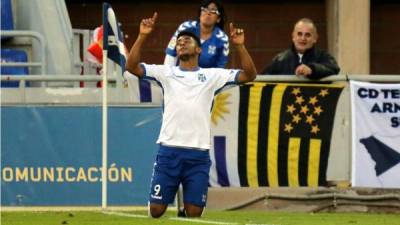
[188,92]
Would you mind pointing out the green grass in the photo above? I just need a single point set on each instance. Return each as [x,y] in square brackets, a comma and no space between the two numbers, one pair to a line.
[217,217]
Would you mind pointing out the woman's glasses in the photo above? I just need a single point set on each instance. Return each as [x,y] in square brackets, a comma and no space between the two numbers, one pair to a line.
[212,11]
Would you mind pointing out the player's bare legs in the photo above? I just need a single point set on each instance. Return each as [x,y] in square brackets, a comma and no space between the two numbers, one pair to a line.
[192,210]
[157,210]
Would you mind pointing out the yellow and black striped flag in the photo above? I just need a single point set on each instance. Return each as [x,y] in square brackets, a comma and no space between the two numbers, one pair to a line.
[284,133]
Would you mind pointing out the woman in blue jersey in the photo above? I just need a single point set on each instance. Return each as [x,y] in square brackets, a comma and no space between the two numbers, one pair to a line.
[209,27]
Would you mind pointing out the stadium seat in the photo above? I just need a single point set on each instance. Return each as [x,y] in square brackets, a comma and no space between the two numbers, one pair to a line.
[7,22]
[13,55]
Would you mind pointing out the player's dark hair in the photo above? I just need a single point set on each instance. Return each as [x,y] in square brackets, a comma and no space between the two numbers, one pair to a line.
[190,34]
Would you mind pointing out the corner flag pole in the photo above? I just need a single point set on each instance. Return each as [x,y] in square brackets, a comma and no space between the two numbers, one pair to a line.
[104,134]
[113,49]
[104,112]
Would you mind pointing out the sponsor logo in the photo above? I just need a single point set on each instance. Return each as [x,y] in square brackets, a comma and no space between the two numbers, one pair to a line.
[156,197]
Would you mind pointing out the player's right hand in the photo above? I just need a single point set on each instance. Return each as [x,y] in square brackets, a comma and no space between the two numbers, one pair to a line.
[147,25]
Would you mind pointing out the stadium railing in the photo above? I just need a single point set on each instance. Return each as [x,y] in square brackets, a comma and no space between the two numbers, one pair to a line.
[42,49]
[261,78]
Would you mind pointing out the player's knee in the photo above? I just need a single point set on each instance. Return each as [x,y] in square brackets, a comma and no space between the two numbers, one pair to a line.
[156,211]
[193,211]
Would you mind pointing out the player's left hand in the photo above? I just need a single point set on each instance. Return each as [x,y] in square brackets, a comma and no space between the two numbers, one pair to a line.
[237,35]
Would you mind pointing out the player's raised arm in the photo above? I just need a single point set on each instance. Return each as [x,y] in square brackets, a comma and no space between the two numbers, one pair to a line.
[132,63]
[249,71]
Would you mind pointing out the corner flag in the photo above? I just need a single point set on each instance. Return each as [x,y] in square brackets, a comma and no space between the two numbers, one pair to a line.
[113,49]
[113,44]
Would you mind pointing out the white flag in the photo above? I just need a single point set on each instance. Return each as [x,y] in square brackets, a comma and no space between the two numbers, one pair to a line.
[376,134]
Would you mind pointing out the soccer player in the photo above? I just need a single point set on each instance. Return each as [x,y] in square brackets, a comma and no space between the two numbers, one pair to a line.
[209,27]
[184,140]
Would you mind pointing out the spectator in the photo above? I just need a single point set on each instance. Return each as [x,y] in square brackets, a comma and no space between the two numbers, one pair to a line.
[188,91]
[209,27]
[303,58]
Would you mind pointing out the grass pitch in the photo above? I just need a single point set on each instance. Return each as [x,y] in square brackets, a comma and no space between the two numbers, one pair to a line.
[210,217]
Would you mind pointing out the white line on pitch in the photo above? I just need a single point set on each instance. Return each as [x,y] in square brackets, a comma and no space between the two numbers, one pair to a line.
[201,221]
[260,224]
[124,214]
[171,218]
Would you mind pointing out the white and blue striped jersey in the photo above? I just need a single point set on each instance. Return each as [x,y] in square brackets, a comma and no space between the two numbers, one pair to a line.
[215,50]
[188,97]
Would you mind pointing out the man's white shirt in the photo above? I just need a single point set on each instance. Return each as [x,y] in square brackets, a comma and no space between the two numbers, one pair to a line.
[188,98]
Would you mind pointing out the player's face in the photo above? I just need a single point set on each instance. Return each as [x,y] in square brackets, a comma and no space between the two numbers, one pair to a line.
[209,16]
[304,36]
[186,47]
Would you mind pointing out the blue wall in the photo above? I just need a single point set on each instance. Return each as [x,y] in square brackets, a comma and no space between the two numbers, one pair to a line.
[52,155]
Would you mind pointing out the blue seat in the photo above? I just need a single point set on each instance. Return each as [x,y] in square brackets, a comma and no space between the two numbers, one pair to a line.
[7,22]
[13,55]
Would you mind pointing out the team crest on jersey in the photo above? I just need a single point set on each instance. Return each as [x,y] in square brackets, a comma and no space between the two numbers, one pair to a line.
[201,77]
[212,49]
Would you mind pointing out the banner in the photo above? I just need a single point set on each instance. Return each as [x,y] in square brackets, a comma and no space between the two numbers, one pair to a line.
[143,91]
[376,134]
[51,156]
[272,135]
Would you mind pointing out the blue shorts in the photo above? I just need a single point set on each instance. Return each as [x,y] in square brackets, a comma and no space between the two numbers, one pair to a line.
[175,165]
